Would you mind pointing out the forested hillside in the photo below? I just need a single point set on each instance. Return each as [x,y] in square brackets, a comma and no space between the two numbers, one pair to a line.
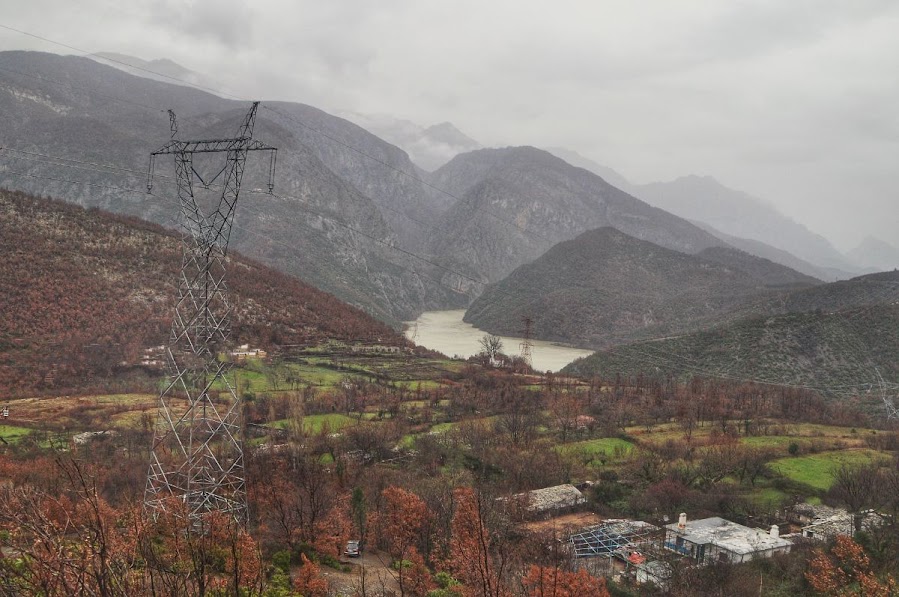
[840,353]
[85,292]
[606,287]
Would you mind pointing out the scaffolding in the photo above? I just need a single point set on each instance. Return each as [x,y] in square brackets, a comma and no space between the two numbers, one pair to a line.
[615,538]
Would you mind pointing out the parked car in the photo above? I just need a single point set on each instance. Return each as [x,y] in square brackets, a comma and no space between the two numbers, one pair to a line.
[353,549]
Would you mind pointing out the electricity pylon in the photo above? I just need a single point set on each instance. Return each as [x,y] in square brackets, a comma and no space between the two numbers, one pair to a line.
[526,343]
[197,462]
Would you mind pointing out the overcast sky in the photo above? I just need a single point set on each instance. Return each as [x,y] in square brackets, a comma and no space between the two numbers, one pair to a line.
[795,101]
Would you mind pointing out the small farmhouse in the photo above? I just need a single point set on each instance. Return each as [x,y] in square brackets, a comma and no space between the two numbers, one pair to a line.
[244,352]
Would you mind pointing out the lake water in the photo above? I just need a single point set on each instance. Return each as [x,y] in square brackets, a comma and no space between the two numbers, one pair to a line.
[445,331]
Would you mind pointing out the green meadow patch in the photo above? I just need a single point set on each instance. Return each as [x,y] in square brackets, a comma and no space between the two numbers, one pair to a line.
[817,470]
[11,434]
[597,451]
[313,424]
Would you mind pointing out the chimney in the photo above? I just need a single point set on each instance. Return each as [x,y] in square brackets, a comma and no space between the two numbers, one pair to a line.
[775,531]
[682,521]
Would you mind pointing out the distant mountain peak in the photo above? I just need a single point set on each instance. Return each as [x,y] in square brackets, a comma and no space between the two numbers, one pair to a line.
[739,214]
[875,252]
[428,147]
[448,133]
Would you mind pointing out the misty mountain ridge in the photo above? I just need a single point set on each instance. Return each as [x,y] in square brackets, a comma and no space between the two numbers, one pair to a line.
[428,147]
[160,69]
[740,214]
[733,214]
[692,197]
[765,251]
[874,252]
[611,176]
[605,287]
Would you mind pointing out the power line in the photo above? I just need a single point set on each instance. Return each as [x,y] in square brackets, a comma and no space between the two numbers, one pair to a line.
[668,359]
[331,138]
[306,209]
[743,310]
[87,53]
[289,117]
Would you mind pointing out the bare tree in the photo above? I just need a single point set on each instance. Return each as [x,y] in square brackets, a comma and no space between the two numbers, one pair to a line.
[858,488]
[492,345]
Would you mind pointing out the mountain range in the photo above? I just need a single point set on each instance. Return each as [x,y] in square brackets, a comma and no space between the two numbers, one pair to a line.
[352,214]
[513,204]
[738,218]
[342,193]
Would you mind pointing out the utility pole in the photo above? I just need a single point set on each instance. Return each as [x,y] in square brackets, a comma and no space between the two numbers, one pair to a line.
[197,458]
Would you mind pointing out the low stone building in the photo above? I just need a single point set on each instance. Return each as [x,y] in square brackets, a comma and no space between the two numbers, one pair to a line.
[823,523]
[546,502]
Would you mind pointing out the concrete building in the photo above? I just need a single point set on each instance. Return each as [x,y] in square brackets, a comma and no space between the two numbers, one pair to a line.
[715,539]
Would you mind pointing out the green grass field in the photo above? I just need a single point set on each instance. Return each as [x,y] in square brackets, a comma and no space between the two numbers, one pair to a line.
[313,424]
[788,433]
[817,470]
[597,451]
[11,434]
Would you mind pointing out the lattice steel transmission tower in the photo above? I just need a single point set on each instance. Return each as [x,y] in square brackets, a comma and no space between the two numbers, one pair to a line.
[526,342]
[197,460]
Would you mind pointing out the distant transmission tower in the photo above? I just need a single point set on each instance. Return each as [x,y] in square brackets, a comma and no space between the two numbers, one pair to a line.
[892,411]
[526,343]
[197,457]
